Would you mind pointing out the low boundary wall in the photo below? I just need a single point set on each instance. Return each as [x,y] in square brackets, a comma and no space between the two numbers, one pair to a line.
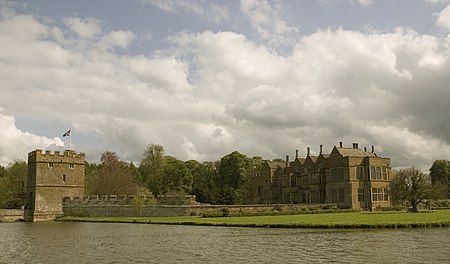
[137,206]
[11,215]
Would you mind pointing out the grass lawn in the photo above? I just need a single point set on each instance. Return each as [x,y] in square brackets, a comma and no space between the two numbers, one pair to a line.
[330,220]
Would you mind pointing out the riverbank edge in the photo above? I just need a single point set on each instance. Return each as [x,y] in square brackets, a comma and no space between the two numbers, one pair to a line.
[254,225]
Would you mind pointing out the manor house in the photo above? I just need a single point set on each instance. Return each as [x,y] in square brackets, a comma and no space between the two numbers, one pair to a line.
[349,177]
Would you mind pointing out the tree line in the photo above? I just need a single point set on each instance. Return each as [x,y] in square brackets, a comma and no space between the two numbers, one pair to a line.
[215,182]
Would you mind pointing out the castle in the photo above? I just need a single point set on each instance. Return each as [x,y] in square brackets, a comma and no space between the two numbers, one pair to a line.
[50,177]
[349,177]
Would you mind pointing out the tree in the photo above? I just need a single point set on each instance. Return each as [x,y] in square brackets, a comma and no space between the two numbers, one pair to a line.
[175,176]
[150,169]
[12,184]
[90,171]
[440,174]
[233,173]
[205,176]
[113,176]
[411,186]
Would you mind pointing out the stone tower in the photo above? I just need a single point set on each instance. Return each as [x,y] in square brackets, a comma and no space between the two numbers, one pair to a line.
[52,176]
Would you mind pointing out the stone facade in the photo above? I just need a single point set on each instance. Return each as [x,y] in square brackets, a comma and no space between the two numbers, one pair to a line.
[350,177]
[52,176]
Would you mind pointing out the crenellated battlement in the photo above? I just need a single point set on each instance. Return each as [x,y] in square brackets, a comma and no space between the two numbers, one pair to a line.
[65,153]
[106,200]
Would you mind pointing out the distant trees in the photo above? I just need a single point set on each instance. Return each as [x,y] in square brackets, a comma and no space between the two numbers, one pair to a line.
[440,174]
[205,177]
[12,184]
[175,176]
[413,187]
[151,167]
[234,171]
[112,176]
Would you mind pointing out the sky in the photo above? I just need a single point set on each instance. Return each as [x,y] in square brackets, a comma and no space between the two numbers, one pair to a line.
[205,78]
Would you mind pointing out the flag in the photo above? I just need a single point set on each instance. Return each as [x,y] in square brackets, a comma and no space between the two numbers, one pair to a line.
[67,134]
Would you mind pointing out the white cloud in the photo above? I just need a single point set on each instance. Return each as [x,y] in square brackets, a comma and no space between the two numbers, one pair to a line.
[15,144]
[85,28]
[443,19]
[435,2]
[267,20]
[365,3]
[210,93]
[204,8]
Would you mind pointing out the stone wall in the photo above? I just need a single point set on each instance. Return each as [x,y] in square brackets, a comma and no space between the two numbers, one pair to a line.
[134,206]
[11,215]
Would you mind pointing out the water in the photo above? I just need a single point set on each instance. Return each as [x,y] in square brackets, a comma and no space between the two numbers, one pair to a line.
[54,242]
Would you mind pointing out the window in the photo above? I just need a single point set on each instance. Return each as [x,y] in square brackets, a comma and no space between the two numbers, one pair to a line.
[384,171]
[337,195]
[361,197]
[337,174]
[294,181]
[71,165]
[315,197]
[50,164]
[64,178]
[360,172]
[314,178]
[379,194]
[375,173]
[305,180]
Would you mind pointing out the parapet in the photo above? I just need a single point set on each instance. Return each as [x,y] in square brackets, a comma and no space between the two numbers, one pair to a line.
[65,153]
[105,200]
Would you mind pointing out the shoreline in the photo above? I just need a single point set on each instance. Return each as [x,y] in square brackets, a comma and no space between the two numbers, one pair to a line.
[358,220]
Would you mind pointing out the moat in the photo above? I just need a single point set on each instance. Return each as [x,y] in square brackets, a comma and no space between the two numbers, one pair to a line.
[56,242]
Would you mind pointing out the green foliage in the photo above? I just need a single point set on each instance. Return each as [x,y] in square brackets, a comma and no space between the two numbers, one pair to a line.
[90,170]
[176,177]
[113,176]
[233,171]
[150,169]
[440,174]
[411,187]
[12,184]
[205,176]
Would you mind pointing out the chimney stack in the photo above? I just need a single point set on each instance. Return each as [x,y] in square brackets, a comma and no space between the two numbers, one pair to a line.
[321,147]
[308,151]
[287,161]
[296,153]
[373,149]
[356,145]
[365,149]
[340,144]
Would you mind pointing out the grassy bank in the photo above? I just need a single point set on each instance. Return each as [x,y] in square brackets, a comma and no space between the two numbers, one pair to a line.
[335,220]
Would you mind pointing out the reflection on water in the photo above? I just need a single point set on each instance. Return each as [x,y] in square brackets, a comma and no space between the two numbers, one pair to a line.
[53,242]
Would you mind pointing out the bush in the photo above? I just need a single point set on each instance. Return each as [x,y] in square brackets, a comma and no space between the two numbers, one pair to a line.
[225,211]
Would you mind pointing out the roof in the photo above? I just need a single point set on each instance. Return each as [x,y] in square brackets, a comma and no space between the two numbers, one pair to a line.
[354,152]
[275,164]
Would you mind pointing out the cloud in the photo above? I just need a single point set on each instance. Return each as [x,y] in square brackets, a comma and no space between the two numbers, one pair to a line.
[443,18]
[365,3]
[209,93]
[85,28]
[213,12]
[15,144]
[435,2]
[267,21]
